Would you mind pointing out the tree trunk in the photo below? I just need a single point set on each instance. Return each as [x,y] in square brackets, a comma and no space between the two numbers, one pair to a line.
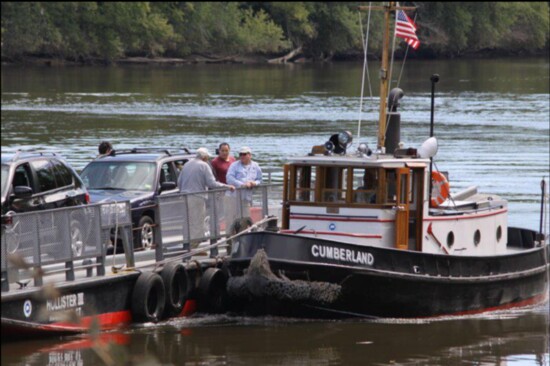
[284,59]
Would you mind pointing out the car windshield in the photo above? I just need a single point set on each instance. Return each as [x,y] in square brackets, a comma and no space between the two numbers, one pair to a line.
[119,175]
[5,175]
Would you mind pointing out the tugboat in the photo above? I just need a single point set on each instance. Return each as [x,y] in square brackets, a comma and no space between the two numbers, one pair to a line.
[378,234]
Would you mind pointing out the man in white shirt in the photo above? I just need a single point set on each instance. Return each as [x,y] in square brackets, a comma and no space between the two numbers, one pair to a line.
[244,173]
[197,176]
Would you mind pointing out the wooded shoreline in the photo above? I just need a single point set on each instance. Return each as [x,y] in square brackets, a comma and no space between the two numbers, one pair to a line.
[222,59]
[172,33]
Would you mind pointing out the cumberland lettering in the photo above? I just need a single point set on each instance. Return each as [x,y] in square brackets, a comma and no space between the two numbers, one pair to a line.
[341,254]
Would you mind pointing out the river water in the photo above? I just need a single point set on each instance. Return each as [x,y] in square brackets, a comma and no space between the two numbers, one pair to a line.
[492,123]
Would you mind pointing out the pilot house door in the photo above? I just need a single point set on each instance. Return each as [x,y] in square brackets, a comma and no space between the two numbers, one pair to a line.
[402,208]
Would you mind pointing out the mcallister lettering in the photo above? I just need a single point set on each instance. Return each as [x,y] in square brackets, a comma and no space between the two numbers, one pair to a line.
[341,254]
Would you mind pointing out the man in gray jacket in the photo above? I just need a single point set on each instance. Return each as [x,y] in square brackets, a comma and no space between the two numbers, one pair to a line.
[197,176]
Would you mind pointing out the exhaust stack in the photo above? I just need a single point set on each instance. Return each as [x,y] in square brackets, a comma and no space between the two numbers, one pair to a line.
[393,129]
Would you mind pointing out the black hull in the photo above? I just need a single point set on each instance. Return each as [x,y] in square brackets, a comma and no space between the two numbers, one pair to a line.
[379,282]
[103,301]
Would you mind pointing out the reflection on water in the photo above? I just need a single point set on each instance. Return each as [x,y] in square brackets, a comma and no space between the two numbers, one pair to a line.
[507,338]
[492,123]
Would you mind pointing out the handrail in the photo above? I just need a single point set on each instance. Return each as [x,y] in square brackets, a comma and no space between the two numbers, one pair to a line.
[196,251]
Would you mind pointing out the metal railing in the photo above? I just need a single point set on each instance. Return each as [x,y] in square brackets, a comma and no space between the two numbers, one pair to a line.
[54,240]
[187,219]
[41,239]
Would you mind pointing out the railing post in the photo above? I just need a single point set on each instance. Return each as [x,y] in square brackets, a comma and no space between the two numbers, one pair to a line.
[5,277]
[38,281]
[239,203]
[69,265]
[157,234]
[265,208]
[128,245]
[213,222]
[186,241]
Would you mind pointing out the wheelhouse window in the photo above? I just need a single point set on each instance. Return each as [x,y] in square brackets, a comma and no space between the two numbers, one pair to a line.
[352,186]
[305,183]
[334,184]
[365,185]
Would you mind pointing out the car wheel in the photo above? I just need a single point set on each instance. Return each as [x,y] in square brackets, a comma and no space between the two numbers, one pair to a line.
[77,239]
[145,233]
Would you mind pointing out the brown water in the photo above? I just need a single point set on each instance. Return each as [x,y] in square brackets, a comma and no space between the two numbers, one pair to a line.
[492,122]
[505,338]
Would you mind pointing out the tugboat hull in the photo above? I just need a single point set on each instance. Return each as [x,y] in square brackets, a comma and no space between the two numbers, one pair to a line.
[382,282]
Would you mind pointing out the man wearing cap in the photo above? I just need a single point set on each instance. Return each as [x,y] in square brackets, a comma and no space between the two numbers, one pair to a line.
[244,173]
[197,176]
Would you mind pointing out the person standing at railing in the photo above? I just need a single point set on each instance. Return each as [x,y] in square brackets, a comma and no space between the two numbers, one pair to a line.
[244,173]
[222,162]
[197,176]
[221,165]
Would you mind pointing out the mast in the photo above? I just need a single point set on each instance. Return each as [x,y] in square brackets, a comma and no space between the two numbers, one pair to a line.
[389,9]
[384,75]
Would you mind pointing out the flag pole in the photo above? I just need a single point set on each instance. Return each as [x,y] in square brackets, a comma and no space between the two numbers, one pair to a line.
[390,8]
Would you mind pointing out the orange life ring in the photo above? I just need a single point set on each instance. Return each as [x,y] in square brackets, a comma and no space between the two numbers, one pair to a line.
[440,189]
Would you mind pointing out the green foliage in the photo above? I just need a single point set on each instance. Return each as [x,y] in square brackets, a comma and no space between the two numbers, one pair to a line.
[109,30]
[24,28]
[336,28]
[260,34]
[294,18]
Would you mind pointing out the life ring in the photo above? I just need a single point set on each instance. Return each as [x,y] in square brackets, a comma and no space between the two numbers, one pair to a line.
[148,298]
[440,189]
[176,286]
[212,291]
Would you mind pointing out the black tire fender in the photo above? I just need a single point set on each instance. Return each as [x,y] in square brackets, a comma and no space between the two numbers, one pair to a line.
[148,298]
[177,286]
[212,291]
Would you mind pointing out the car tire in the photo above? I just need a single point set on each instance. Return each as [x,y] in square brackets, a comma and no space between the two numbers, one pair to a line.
[145,234]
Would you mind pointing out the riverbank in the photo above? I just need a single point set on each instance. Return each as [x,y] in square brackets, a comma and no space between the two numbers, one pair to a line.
[293,57]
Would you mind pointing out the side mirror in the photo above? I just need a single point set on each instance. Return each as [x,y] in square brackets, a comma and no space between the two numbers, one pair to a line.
[22,192]
[167,186]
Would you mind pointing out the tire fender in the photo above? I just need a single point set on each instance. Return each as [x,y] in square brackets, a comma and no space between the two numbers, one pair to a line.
[148,298]
[177,286]
[212,291]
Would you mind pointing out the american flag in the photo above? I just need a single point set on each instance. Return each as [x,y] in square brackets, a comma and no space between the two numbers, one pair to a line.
[406,29]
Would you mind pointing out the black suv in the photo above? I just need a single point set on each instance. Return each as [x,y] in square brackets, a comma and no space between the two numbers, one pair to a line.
[39,181]
[138,176]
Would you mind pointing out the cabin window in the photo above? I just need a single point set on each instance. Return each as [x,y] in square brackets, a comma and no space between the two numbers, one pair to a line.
[305,184]
[391,184]
[334,184]
[499,233]
[365,184]
[347,185]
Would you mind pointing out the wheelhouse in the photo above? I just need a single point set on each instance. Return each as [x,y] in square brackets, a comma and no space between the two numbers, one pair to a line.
[391,201]
[371,201]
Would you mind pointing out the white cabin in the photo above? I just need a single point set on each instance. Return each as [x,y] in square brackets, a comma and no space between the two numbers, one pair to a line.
[383,201]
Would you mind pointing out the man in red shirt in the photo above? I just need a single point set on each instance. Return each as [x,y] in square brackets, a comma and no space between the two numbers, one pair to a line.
[222,162]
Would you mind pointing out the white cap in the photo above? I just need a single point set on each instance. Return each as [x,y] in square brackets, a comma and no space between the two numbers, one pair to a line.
[202,152]
[245,150]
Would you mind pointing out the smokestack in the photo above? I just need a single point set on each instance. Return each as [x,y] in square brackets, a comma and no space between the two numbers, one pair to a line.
[393,129]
